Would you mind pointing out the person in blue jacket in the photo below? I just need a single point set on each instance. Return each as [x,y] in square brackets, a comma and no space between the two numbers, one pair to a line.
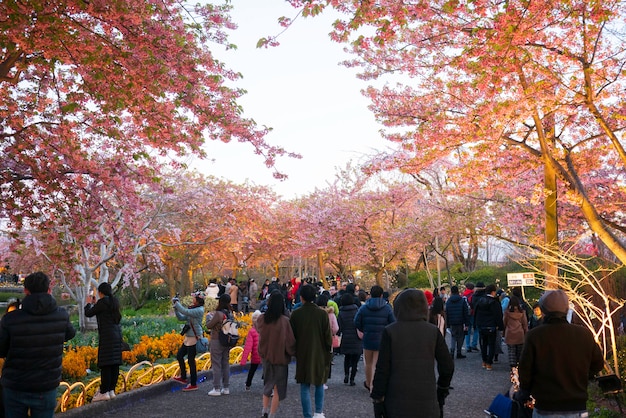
[371,319]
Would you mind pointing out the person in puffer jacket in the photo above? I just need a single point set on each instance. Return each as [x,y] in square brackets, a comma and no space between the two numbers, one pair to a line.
[488,316]
[457,312]
[371,319]
[31,342]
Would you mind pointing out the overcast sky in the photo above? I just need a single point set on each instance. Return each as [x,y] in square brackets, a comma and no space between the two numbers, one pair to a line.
[313,104]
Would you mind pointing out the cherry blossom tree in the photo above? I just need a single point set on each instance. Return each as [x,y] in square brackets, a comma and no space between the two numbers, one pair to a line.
[507,89]
[326,223]
[104,92]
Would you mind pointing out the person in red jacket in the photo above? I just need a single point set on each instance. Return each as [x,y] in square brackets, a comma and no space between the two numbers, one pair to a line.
[251,349]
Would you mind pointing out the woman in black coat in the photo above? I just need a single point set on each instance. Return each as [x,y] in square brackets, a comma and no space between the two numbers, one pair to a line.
[107,312]
[405,379]
[351,346]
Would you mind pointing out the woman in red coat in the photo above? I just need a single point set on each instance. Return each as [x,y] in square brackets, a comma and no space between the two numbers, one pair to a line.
[251,349]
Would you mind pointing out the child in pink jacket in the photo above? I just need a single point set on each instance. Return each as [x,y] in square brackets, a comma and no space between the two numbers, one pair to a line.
[251,348]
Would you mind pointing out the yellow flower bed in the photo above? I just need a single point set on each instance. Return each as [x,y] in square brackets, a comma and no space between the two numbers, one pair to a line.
[144,372]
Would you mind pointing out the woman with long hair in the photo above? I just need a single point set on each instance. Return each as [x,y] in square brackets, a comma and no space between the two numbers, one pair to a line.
[107,312]
[192,330]
[351,345]
[277,345]
[515,329]
[219,353]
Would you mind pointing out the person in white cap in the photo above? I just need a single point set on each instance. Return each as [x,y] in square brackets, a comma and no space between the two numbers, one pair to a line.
[557,361]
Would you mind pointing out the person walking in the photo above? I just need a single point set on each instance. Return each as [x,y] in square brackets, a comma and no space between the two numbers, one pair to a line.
[351,346]
[253,291]
[322,302]
[277,345]
[536,318]
[107,312]
[488,317]
[404,383]
[251,349]
[192,330]
[31,343]
[515,329]
[233,292]
[371,319]
[457,314]
[219,353]
[437,312]
[311,329]
[471,339]
[557,361]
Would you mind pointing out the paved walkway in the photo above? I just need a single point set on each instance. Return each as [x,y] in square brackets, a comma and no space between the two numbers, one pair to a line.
[473,391]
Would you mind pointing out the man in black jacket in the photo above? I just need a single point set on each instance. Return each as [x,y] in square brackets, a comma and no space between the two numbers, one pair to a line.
[557,361]
[488,316]
[31,341]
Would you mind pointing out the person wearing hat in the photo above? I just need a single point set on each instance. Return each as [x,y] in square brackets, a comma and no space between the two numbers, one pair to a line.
[192,330]
[557,361]
[108,314]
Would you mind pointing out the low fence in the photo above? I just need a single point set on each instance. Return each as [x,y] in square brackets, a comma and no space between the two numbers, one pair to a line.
[140,375]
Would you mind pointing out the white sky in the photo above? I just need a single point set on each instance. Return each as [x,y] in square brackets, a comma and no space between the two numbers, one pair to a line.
[299,89]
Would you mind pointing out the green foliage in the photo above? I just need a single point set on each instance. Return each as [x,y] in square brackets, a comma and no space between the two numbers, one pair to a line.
[9,297]
[598,404]
[488,274]
[133,328]
[419,280]
[150,307]
[621,356]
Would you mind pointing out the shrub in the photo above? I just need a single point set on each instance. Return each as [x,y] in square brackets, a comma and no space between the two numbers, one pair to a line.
[77,360]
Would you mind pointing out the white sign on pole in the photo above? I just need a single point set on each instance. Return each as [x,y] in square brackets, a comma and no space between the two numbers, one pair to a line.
[520,279]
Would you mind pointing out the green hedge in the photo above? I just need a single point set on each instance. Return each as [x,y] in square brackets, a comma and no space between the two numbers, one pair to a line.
[486,274]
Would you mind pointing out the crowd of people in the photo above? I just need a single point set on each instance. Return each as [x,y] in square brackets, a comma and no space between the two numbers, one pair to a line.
[365,326]
[407,363]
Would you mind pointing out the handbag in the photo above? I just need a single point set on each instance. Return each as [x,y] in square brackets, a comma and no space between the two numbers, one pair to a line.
[202,343]
[336,341]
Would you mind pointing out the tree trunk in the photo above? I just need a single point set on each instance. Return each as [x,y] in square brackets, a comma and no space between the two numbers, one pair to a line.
[550,207]
[320,266]
[235,266]
[184,287]
[379,277]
